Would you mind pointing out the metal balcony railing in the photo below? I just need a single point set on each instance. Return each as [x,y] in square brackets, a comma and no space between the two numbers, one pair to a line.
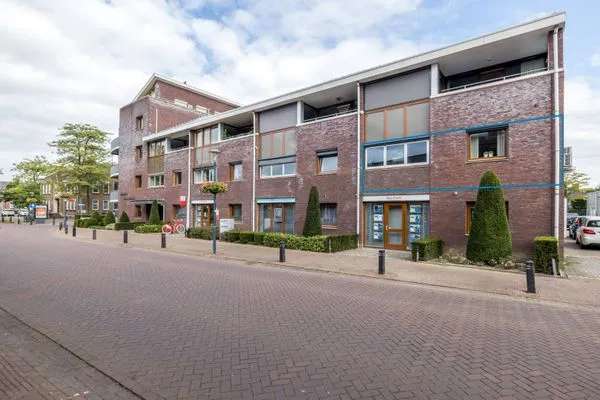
[499,79]
[349,111]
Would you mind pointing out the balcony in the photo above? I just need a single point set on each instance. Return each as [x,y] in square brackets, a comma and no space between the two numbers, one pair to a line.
[113,196]
[204,155]
[114,146]
[114,170]
[156,164]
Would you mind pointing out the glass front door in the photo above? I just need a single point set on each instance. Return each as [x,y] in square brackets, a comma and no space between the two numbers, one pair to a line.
[276,218]
[202,215]
[394,220]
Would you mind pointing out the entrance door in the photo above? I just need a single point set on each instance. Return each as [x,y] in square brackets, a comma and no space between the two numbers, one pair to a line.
[394,220]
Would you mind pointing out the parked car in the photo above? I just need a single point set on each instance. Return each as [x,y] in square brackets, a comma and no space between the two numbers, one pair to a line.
[589,232]
[574,226]
[23,212]
[8,212]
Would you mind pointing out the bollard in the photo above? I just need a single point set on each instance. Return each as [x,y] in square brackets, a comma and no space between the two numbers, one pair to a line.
[94,234]
[60,226]
[11,219]
[381,262]
[125,237]
[53,221]
[530,274]
[74,230]
[554,270]
[2,218]
[18,220]
[31,221]
[282,251]
[163,240]
[66,229]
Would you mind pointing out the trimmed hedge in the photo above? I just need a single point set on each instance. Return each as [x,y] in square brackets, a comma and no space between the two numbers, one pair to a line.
[148,228]
[312,221]
[428,248]
[124,226]
[231,236]
[259,238]
[109,218]
[545,249]
[246,237]
[199,233]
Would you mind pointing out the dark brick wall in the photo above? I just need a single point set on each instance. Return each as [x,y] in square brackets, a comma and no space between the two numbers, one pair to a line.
[171,92]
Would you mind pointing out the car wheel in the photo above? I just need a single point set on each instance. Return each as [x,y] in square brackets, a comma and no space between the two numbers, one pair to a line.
[582,246]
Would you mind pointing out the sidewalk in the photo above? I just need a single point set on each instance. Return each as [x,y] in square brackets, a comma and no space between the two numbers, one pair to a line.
[363,262]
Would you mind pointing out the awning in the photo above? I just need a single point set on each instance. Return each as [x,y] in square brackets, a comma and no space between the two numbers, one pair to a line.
[396,197]
[203,201]
[275,200]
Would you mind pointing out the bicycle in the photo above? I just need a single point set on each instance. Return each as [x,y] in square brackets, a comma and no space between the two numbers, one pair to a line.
[175,226]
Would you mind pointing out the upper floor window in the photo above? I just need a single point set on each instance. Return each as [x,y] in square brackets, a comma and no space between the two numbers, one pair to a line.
[207,136]
[156,148]
[487,144]
[280,169]
[138,181]
[177,178]
[413,153]
[327,162]
[139,122]
[278,144]
[204,174]
[156,180]
[235,171]
[397,121]
[138,153]
[95,204]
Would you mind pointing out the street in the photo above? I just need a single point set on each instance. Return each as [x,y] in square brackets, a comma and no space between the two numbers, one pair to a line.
[181,327]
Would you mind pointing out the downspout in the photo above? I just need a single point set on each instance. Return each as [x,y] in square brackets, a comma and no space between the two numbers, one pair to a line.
[253,172]
[358,157]
[556,102]
[189,183]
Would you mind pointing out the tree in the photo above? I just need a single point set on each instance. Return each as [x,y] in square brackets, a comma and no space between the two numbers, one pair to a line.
[32,170]
[214,188]
[124,217]
[21,193]
[575,184]
[109,218]
[489,238]
[312,222]
[579,206]
[154,218]
[82,158]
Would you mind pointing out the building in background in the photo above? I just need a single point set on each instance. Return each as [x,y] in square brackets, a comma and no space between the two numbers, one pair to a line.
[60,201]
[593,203]
[396,151]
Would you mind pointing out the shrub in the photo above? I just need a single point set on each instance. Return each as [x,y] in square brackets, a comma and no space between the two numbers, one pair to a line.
[489,238]
[246,237]
[427,249]
[124,217]
[199,233]
[154,218]
[110,227]
[123,226]
[231,236]
[312,222]
[545,249]
[258,238]
[96,218]
[109,218]
[148,228]
[342,242]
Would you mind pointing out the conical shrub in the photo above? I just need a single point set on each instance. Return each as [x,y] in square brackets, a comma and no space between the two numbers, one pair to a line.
[312,222]
[124,217]
[154,218]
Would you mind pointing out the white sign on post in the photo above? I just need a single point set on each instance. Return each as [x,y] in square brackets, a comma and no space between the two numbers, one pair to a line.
[226,224]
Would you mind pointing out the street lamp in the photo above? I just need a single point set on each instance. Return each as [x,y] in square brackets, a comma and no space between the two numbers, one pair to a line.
[215,188]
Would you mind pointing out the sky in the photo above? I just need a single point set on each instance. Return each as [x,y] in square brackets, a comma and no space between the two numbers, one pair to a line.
[81,60]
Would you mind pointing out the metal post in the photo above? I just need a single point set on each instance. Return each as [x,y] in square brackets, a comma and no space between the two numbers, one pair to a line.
[282,251]
[18,220]
[163,240]
[53,220]
[554,270]
[2,216]
[60,226]
[125,239]
[530,273]
[381,262]
[74,229]
[66,229]
[94,234]
[214,225]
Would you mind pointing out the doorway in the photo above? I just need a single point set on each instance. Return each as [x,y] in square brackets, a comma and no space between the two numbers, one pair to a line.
[394,221]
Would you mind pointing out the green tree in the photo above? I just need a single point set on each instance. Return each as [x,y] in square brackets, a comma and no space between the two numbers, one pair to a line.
[579,206]
[109,218]
[82,158]
[124,217]
[154,218]
[32,170]
[489,238]
[312,222]
[21,193]
[575,184]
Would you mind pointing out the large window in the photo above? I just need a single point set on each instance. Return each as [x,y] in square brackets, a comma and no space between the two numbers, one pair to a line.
[207,136]
[276,218]
[327,162]
[235,171]
[204,174]
[487,144]
[235,212]
[275,170]
[413,153]
[328,214]
[398,121]
[156,180]
[156,148]
[278,144]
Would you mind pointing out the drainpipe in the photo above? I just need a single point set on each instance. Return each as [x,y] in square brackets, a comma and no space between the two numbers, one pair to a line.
[358,157]
[556,136]
[189,183]
[253,172]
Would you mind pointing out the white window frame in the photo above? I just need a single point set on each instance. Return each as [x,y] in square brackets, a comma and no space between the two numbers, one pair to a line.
[282,168]
[320,165]
[234,166]
[105,205]
[208,178]
[405,164]
[95,205]
[150,178]
[95,188]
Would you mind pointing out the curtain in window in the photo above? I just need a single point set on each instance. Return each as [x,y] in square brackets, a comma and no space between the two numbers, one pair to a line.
[501,144]
[474,146]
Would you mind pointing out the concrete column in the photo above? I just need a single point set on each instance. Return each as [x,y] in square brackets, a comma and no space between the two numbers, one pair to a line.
[435,80]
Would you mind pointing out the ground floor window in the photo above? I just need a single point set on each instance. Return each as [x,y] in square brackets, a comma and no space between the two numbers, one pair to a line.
[328,214]
[276,218]
[395,225]
[235,212]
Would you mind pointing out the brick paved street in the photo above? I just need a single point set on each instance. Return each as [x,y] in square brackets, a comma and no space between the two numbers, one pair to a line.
[582,262]
[180,327]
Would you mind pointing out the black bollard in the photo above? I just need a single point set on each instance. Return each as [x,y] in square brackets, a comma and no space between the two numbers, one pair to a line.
[125,237]
[163,240]
[2,218]
[381,262]
[53,221]
[31,221]
[74,230]
[66,229]
[530,274]
[94,234]
[282,251]
[11,219]
[60,226]
[18,220]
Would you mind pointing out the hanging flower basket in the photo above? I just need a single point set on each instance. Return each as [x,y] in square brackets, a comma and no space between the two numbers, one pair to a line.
[215,187]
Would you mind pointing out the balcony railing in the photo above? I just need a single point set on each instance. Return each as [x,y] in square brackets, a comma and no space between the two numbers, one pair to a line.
[337,114]
[156,164]
[114,170]
[499,79]
[114,146]
[204,156]
[113,196]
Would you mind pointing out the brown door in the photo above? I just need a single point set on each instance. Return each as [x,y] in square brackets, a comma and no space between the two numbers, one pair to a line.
[394,221]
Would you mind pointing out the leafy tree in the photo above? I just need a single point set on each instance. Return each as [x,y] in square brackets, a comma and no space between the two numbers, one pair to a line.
[21,193]
[575,184]
[124,217]
[96,218]
[489,238]
[154,218]
[109,218]
[32,170]
[82,158]
[312,222]
[579,206]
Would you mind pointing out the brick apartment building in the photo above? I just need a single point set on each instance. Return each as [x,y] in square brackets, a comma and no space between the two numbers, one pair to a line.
[396,151]
[59,202]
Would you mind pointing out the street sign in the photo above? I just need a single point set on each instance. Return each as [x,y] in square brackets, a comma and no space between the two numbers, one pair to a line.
[226,224]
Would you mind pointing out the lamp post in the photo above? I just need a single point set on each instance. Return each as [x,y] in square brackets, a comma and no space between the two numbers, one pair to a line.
[214,188]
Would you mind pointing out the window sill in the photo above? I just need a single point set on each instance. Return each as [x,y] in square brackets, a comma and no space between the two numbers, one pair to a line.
[398,166]
[327,173]
[330,227]
[279,176]
[489,159]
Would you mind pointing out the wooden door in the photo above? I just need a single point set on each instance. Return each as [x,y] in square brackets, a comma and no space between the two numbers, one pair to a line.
[394,221]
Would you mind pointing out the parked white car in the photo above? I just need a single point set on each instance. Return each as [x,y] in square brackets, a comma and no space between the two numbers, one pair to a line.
[23,212]
[589,232]
[8,212]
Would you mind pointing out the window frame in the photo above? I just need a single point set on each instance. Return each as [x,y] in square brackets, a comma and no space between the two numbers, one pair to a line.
[405,160]
[471,133]
[232,167]
[320,158]
[139,122]
[153,176]
[385,110]
[139,181]
[323,223]
[105,205]
[139,153]
[205,168]
[270,137]
[95,205]
[232,215]
[283,175]
[174,180]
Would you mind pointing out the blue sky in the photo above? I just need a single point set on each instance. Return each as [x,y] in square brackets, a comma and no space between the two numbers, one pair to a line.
[80,61]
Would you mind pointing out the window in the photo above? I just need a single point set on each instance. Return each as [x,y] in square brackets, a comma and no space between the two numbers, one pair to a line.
[105,205]
[115,185]
[469,214]
[235,171]
[156,148]
[177,178]
[594,223]
[276,218]
[235,211]
[95,204]
[413,153]
[138,153]
[398,121]
[138,211]
[96,188]
[207,136]
[138,181]
[70,205]
[278,144]
[274,170]
[328,214]
[204,174]
[156,181]
[327,162]
[487,144]
[106,188]
[139,122]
